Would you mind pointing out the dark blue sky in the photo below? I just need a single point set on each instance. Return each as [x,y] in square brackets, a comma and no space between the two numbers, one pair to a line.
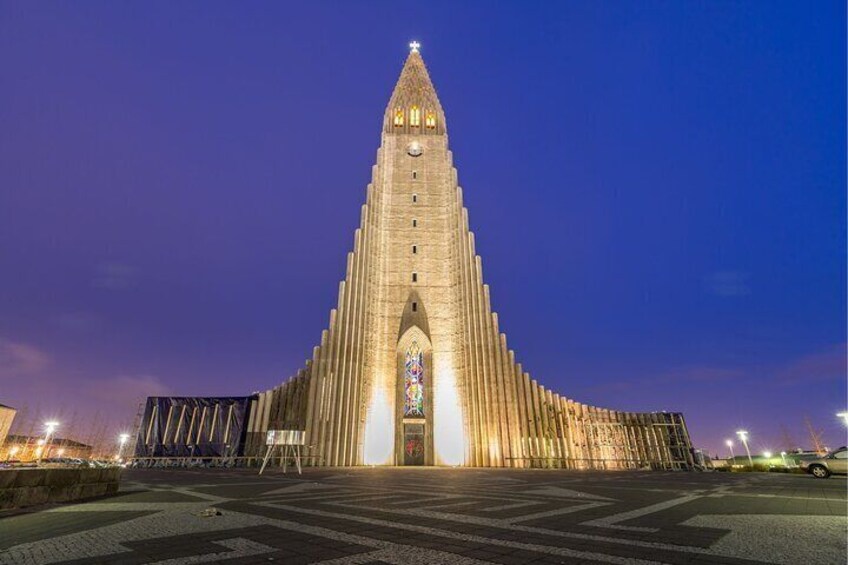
[658,192]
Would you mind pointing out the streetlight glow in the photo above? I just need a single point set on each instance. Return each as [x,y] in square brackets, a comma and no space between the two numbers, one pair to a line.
[743,437]
[49,428]
[767,454]
[729,444]
[844,416]
[122,440]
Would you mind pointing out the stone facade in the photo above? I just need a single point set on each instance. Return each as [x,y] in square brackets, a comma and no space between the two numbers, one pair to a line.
[30,487]
[414,283]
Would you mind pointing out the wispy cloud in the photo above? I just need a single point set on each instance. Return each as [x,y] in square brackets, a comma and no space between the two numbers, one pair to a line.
[679,375]
[728,283]
[125,389]
[829,364]
[114,276]
[76,322]
[699,374]
[18,358]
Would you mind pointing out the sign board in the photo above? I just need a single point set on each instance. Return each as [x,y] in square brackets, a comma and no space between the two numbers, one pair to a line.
[285,437]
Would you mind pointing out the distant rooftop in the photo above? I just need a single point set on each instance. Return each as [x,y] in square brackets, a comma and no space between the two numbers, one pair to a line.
[56,442]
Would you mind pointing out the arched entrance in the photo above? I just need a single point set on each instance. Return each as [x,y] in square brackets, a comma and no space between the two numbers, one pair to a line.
[413,424]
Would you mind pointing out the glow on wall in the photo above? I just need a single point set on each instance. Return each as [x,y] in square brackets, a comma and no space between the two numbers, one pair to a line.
[448,423]
[379,431]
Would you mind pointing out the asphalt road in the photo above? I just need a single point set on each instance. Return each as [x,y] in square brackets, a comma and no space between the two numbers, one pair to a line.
[426,516]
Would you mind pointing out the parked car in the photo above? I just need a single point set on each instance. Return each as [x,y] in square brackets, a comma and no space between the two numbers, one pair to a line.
[834,463]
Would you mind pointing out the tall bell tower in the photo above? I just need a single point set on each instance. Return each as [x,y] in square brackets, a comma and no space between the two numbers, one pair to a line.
[413,368]
[417,364]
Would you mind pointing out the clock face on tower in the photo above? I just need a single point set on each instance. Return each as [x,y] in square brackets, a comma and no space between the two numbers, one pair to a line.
[414,149]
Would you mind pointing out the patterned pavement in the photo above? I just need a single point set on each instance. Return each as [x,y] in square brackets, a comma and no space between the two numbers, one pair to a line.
[431,515]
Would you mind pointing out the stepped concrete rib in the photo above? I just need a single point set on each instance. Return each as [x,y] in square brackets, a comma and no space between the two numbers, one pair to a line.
[413,368]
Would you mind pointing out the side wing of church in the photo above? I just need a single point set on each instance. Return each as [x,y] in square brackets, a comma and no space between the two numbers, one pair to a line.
[413,368]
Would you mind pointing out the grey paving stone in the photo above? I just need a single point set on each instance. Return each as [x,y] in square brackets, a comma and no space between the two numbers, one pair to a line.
[423,516]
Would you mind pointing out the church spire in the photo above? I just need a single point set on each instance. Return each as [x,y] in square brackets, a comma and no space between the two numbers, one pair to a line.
[414,106]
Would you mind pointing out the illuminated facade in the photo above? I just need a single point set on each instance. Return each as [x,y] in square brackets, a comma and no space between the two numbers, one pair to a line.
[28,448]
[413,368]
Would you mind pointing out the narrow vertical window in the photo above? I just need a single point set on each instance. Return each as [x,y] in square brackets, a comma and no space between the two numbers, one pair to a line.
[414,277]
[413,405]
[415,116]
[430,120]
[414,249]
[414,174]
[414,223]
[415,198]
[398,117]
[415,307]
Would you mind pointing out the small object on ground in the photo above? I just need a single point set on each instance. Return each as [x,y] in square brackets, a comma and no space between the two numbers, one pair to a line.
[209,512]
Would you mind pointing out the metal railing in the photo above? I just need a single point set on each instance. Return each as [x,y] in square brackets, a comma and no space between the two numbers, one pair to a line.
[203,462]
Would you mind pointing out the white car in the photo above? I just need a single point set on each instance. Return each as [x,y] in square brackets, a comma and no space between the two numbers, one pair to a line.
[834,463]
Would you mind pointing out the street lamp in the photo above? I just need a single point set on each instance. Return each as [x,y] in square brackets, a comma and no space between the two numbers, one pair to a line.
[122,439]
[49,428]
[844,416]
[729,444]
[783,457]
[743,437]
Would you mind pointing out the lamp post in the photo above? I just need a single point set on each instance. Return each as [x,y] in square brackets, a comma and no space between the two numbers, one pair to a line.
[729,444]
[122,441]
[743,437]
[49,428]
[783,457]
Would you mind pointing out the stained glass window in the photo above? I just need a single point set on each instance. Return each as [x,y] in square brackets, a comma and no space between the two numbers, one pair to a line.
[415,116]
[414,382]
[398,117]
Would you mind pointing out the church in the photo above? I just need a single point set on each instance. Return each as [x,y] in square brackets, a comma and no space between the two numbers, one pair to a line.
[413,368]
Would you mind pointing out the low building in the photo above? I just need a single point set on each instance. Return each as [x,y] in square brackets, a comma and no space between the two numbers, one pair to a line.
[181,426]
[7,414]
[29,448]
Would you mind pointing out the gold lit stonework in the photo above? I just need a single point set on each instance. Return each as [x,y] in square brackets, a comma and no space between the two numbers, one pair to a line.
[431,120]
[478,406]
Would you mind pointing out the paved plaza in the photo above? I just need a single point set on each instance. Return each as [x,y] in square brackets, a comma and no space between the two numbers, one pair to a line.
[431,515]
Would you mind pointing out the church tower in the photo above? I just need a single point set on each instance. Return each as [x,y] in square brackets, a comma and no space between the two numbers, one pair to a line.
[413,368]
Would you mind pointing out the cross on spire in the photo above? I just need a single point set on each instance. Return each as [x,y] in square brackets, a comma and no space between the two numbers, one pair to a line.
[414,47]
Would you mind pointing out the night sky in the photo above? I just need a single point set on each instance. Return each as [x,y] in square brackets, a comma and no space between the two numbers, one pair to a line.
[658,191]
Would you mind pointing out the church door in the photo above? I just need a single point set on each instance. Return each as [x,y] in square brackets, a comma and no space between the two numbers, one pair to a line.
[413,444]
